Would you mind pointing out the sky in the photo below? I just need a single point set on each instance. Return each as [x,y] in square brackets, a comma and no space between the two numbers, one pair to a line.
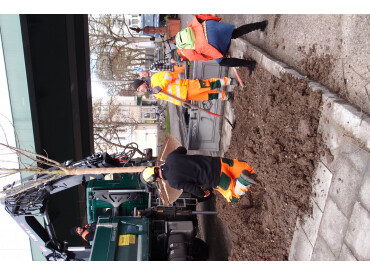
[14,243]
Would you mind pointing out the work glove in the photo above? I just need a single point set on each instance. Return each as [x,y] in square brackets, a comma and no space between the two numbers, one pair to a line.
[156,89]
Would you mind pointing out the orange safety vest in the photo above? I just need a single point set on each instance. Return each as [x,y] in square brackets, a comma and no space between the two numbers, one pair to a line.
[203,50]
[84,233]
[172,84]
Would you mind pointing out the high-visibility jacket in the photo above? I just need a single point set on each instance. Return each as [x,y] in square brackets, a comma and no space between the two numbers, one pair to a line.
[203,50]
[172,84]
[84,233]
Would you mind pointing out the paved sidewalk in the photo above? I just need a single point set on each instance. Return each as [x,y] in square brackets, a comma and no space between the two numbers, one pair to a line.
[339,226]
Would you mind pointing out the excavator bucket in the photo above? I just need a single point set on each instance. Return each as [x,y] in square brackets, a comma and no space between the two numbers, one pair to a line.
[167,193]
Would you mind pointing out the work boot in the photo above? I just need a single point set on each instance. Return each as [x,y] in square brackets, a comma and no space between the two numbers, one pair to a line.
[264,25]
[251,67]
[233,82]
[247,176]
[230,96]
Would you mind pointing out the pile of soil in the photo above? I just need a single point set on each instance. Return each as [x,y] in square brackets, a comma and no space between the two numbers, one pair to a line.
[319,67]
[276,133]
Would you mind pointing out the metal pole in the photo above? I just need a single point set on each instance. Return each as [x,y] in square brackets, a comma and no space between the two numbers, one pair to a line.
[204,212]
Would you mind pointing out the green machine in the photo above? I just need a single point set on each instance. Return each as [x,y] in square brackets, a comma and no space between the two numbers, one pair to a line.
[132,222]
[121,238]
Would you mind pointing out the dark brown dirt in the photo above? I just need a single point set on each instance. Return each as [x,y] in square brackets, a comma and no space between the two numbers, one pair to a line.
[276,132]
[318,67]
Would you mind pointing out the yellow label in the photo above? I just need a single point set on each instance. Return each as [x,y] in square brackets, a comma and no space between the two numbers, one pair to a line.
[126,239]
[132,239]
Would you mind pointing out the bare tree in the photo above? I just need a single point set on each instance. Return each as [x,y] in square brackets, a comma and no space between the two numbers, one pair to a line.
[111,43]
[57,170]
[111,124]
[33,163]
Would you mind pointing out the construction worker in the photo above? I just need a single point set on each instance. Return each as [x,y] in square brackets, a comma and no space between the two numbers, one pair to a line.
[197,174]
[87,232]
[212,41]
[184,89]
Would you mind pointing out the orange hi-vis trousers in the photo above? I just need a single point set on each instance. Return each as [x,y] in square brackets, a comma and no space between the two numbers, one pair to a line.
[204,89]
[232,186]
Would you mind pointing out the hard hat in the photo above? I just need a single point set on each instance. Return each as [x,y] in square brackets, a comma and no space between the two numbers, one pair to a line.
[148,175]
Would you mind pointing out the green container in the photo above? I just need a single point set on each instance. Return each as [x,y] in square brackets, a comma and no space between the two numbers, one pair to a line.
[121,239]
[99,208]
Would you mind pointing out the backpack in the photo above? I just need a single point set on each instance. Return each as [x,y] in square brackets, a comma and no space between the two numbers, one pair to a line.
[185,39]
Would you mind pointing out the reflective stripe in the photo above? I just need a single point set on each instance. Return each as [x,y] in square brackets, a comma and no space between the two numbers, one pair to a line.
[222,82]
[240,188]
[168,76]
[220,94]
[178,89]
[239,192]
[170,99]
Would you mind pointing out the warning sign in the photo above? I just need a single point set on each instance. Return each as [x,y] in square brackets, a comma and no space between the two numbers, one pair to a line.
[126,239]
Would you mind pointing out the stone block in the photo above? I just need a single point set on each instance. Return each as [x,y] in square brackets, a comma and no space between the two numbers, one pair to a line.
[321,182]
[326,93]
[243,46]
[293,73]
[311,224]
[272,66]
[301,248]
[358,233]
[330,133]
[365,188]
[333,227]
[321,251]
[345,186]
[353,121]
[346,254]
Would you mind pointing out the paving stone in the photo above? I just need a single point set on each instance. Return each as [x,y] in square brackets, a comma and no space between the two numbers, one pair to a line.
[345,186]
[346,254]
[320,185]
[333,227]
[358,233]
[321,251]
[311,224]
[365,188]
[350,149]
[352,120]
[301,248]
[330,133]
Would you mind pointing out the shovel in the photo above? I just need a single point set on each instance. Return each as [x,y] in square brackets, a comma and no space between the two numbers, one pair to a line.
[191,105]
